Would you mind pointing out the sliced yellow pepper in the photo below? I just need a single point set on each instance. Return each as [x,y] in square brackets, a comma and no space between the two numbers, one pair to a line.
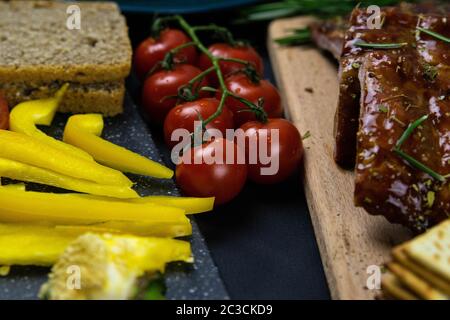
[190,204]
[22,148]
[29,206]
[84,130]
[42,245]
[25,172]
[26,115]
[32,245]
[155,229]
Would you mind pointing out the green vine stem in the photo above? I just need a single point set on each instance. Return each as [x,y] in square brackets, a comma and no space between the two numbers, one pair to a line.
[169,59]
[191,31]
[185,92]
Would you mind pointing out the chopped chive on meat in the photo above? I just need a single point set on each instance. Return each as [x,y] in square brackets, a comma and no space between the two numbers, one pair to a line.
[363,44]
[430,198]
[383,108]
[434,34]
[430,72]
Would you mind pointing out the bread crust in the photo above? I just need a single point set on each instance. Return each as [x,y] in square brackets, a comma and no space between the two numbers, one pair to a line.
[104,98]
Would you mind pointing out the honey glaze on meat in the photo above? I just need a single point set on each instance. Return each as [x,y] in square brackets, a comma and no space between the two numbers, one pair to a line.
[397,28]
[398,86]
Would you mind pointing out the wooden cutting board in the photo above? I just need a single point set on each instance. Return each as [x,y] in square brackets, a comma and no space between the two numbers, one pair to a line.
[350,240]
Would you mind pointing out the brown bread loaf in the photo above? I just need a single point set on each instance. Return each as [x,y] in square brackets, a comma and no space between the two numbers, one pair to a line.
[38,53]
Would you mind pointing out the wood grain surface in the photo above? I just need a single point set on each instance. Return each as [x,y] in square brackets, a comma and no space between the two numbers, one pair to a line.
[350,240]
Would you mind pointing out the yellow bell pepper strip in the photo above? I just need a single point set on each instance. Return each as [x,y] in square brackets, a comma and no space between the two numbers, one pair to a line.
[25,149]
[32,245]
[25,172]
[26,115]
[155,229]
[23,206]
[84,130]
[190,204]
[27,244]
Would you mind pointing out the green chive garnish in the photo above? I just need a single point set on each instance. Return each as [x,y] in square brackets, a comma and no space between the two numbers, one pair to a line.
[434,34]
[430,72]
[419,165]
[300,36]
[430,198]
[383,108]
[361,43]
[409,130]
[407,157]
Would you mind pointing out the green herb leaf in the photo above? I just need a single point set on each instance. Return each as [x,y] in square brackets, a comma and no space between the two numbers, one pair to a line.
[411,127]
[383,108]
[155,289]
[415,163]
[306,135]
[430,72]
[322,8]
[300,36]
[434,34]
[430,198]
[419,165]
[363,44]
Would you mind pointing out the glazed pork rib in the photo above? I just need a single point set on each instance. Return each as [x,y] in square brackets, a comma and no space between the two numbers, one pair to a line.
[398,26]
[329,35]
[398,86]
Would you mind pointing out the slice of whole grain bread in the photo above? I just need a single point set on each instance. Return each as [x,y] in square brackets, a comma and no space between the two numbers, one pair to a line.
[37,46]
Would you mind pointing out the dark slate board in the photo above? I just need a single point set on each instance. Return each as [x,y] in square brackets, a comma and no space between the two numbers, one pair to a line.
[199,281]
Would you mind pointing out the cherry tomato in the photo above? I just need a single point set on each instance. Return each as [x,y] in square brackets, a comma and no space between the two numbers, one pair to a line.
[4,113]
[223,180]
[246,53]
[151,50]
[160,90]
[184,115]
[242,86]
[288,150]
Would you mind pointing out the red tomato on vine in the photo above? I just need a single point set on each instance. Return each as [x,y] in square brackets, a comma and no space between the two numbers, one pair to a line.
[284,146]
[242,86]
[152,50]
[222,180]
[160,90]
[224,50]
[184,115]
